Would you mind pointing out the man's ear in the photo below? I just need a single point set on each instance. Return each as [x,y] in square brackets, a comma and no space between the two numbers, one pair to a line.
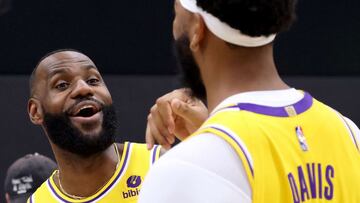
[197,32]
[35,111]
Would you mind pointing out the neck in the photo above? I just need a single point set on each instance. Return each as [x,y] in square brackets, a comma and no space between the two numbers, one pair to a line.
[83,177]
[233,70]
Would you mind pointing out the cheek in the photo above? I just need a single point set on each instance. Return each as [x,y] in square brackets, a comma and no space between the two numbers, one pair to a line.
[54,105]
[105,96]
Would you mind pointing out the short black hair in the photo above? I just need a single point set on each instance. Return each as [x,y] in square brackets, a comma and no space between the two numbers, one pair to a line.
[33,73]
[253,17]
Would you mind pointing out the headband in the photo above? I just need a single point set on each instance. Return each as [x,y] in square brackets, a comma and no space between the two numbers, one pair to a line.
[224,31]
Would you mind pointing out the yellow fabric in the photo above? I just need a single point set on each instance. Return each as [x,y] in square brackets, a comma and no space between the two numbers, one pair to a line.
[282,171]
[124,186]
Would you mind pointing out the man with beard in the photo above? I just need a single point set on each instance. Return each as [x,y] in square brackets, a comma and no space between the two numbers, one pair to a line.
[71,102]
[263,141]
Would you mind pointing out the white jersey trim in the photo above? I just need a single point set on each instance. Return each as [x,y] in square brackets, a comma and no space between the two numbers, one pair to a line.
[350,126]
[237,139]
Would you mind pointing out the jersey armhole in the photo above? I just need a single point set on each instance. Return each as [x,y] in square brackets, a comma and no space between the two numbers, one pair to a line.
[354,132]
[236,143]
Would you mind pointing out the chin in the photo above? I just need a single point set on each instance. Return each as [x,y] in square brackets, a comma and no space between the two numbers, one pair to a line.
[91,132]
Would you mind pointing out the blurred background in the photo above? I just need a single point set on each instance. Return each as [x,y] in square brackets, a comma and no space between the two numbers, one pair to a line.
[131,42]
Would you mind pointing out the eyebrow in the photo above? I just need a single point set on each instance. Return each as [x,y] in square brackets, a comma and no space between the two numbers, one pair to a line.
[63,69]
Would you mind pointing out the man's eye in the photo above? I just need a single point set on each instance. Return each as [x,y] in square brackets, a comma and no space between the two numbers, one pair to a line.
[93,81]
[62,86]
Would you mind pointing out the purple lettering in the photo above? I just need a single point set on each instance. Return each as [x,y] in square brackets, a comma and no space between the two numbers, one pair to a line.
[294,189]
[303,187]
[329,191]
[312,179]
[320,181]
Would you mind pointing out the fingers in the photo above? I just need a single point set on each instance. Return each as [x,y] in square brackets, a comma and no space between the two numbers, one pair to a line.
[149,138]
[160,124]
[164,113]
[174,113]
[194,112]
[159,121]
[153,134]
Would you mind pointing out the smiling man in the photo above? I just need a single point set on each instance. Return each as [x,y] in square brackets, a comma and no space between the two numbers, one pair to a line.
[71,102]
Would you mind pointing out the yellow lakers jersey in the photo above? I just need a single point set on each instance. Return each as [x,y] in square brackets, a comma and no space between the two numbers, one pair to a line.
[305,152]
[124,186]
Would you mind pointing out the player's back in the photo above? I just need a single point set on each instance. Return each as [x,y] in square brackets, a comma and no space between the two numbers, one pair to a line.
[305,152]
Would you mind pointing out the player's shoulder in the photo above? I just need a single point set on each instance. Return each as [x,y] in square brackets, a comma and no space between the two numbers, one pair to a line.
[123,146]
[353,127]
[351,123]
[192,151]
[135,147]
[40,191]
[187,161]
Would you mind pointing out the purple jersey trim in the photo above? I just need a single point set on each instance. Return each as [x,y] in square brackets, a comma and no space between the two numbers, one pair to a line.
[300,107]
[242,149]
[31,199]
[101,194]
[351,132]
[154,154]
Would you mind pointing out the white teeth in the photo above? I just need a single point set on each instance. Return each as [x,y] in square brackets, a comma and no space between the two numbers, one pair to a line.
[85,107]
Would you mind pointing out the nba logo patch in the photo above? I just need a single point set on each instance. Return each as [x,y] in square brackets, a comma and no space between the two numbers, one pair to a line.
[301,138]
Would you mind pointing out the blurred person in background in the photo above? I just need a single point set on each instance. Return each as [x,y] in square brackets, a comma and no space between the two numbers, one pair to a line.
[25,175]
[5,6]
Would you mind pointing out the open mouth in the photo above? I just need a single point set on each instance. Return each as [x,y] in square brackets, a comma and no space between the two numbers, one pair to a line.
[86,115]
[86,111]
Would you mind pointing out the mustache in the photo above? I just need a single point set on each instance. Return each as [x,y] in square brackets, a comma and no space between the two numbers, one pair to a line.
[68,110]
[64,134]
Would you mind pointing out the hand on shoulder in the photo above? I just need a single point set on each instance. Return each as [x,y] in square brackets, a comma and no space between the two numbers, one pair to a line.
[174,115]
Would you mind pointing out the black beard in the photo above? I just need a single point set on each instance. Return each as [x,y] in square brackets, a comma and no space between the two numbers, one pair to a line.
[66,136]
[189,70]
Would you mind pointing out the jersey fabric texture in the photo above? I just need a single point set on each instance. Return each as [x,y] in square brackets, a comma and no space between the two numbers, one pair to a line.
[305,152]
[124,186]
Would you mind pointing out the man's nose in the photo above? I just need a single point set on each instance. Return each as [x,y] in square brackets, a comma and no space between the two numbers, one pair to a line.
[82,89]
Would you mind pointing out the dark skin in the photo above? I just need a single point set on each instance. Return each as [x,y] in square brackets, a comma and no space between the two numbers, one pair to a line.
[60,79]
[226,70]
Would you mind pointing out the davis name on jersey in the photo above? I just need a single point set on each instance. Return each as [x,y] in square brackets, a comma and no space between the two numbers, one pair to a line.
[312,181]
[303,152]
